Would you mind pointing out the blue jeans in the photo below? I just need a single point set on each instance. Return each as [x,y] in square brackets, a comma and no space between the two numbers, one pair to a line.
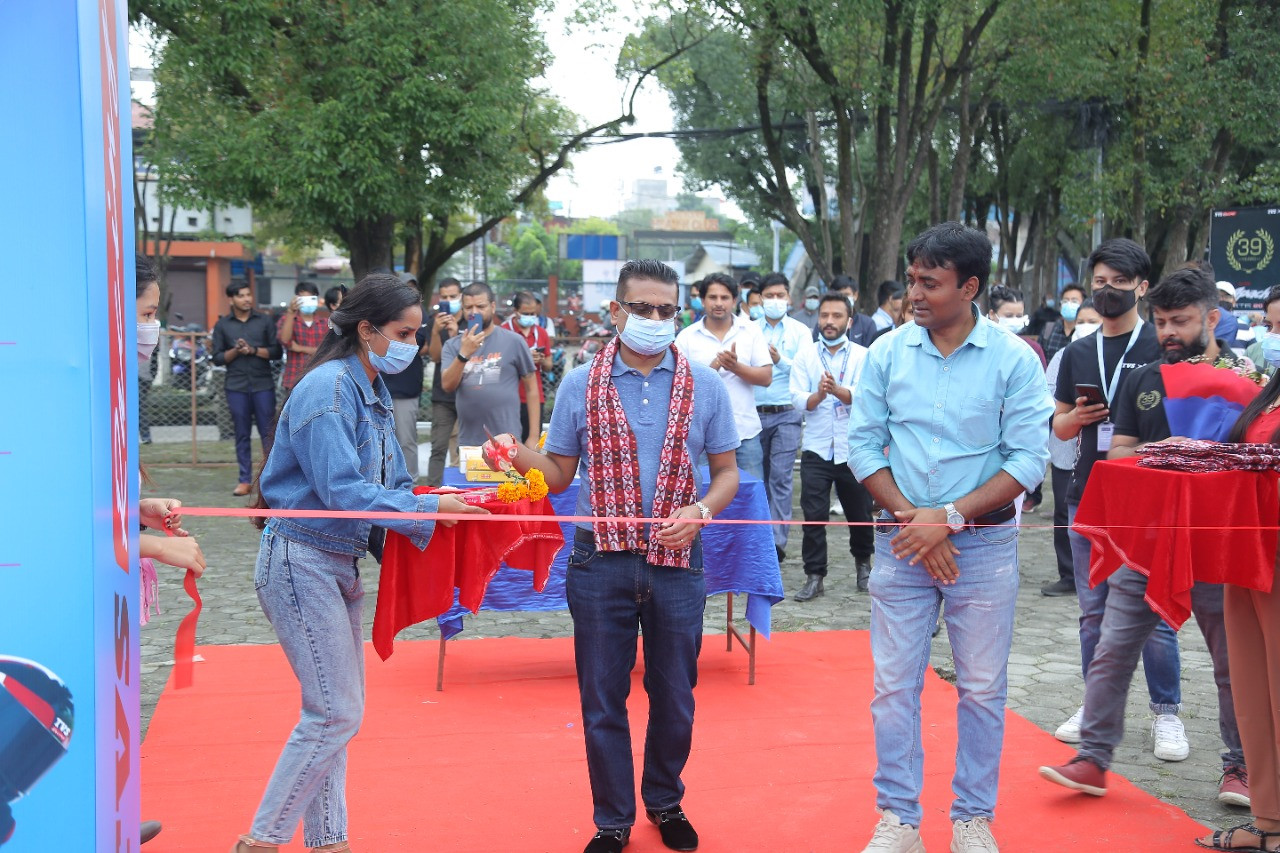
[751,457]
[610,594]
[245,408]
[313,600]
[779,445]
[979,616]
[1161,661]
[1128,623]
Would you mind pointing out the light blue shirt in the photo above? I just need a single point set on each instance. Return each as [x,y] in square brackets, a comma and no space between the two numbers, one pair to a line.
[826,426]
[646,401]
[788,337]
[950,423]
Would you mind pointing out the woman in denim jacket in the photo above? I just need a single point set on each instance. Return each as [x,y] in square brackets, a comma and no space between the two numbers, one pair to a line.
[335,449]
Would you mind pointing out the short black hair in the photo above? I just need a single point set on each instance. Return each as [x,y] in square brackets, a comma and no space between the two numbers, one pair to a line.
[1124,256]
[1076,286]
[832,296]
[235,287]
[775,278]
[479,288]
[1001,295]
[966,250]
[1183,288]
[523,297]
[1273,295]
[840,282]
[889,290]
[145,273]
[721,279]
[645,268]
[333,294]
[448,281]
[306,287]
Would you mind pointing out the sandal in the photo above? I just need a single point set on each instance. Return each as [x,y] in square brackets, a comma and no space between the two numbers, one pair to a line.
[246,844]
[343,849]
[1221,839]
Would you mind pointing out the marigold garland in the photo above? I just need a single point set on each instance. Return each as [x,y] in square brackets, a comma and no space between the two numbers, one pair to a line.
[532,485]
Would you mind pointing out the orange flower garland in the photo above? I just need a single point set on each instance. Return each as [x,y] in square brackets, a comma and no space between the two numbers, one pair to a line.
[532,485]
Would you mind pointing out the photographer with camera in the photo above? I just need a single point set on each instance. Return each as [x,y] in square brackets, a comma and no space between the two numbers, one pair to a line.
[441,326]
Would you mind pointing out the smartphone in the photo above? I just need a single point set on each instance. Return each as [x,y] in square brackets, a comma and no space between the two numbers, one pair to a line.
[475,323]
[1092,393]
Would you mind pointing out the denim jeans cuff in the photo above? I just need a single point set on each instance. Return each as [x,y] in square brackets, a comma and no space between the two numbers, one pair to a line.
[1174,708]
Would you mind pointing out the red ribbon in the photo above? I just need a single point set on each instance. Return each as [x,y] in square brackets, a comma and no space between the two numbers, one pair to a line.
[184,643]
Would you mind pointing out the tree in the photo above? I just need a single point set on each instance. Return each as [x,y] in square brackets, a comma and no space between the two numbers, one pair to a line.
[351,118]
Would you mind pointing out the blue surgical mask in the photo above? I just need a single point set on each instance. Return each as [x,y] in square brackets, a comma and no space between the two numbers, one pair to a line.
[453,305]
[1070,310]
[833,341]
[1258,332]
[811,304]
[309,304]
[756,312]
[695,303]
[1271,348]
[647,337]
[400,354]
[776,309]
[527,320]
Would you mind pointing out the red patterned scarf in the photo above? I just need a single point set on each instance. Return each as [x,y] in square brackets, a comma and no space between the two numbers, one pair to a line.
[613,471]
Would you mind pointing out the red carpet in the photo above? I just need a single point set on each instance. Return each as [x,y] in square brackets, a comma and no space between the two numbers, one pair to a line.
[496,761]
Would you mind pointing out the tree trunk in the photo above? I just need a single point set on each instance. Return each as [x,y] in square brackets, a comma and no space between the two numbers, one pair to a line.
[1139,202]
[369,241]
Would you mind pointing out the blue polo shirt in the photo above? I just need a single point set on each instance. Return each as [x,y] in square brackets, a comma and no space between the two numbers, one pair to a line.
[646,401]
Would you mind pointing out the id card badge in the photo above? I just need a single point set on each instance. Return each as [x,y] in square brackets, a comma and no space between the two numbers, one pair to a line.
[842,411]
[1105,430]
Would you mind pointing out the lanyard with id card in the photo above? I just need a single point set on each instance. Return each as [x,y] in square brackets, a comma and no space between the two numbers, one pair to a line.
[1106,429]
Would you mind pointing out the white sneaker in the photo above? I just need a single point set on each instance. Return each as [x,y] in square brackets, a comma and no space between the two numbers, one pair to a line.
[1069,732]
[1170,738]
[973,836]
[894,836]
[837,508]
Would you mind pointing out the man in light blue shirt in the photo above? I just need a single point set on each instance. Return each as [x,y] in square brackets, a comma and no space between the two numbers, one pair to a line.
[823,376]
[962,408]
[780,421]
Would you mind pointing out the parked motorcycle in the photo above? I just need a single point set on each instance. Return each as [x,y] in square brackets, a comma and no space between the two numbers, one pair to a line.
[594,336]
[551,375]
[188,352]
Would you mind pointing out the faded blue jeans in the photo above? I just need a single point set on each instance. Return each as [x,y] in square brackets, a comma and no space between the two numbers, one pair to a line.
[979,617]
[779,445]
[751,457]
[611,594]
[314,601]
[1161,659]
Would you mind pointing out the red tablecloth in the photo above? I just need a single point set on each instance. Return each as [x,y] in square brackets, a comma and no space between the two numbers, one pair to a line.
[418,585]
[1174,527]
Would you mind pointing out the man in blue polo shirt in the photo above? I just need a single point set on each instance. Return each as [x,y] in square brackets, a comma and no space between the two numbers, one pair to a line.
[962,407]
[633,422]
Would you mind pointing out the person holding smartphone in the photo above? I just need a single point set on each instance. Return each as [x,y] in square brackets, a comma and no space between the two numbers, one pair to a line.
[485,366]
[524,321]
[1102,359]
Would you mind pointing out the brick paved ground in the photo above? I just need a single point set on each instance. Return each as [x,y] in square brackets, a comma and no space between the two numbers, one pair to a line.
[1045,685]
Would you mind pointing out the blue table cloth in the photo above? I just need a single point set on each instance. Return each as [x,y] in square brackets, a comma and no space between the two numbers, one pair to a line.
[737,558]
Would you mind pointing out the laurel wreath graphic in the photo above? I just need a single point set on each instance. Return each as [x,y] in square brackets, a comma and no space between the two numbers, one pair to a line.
[1234,241]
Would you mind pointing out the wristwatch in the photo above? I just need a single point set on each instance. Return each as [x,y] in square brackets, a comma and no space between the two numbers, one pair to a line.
[954,519]
[704,509]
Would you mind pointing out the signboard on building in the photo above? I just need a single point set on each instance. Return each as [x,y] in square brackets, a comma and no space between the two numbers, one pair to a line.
[1244,249]
[685,220]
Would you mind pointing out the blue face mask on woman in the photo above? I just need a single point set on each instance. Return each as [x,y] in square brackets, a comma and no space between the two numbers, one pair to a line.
[647,337]
[1271,348]
[400,354]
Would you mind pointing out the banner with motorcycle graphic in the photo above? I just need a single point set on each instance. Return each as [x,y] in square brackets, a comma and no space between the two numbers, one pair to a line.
[68,542]
[1243,249]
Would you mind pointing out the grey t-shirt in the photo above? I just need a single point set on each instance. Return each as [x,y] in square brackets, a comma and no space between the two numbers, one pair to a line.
[489,394]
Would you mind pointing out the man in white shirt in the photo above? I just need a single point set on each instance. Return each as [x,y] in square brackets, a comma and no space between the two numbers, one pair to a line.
[823,376]
[780,420]
[734,348]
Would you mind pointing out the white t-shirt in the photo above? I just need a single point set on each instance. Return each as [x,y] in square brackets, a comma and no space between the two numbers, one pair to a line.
[701,346]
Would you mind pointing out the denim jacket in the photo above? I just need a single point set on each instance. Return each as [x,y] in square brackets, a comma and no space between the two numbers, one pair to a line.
[335,449]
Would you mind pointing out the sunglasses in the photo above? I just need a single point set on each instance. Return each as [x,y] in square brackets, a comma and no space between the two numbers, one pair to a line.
[644,309]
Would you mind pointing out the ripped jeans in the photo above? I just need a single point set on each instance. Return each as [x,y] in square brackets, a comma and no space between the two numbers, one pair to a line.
[979,618]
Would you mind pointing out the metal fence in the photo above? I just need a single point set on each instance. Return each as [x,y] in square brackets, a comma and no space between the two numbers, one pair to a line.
[183,417]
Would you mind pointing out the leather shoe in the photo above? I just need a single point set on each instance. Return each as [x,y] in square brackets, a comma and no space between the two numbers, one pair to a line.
[677,832]
[1061,586]
[782,555]
[812,588]
[241,490]
[864,573]
[148,830]
[608,841]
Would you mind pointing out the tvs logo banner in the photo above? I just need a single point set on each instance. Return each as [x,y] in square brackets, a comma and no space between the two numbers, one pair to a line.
[1242,249]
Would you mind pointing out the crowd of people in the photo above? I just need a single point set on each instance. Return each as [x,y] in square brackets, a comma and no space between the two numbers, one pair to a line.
[934,419]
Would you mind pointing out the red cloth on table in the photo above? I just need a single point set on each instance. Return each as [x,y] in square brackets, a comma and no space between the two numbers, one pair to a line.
[1143,517]
[418,585]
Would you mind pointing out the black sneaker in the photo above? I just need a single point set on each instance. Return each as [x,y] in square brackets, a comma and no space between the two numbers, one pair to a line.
[677,832]
[1061,586]
[608,841]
